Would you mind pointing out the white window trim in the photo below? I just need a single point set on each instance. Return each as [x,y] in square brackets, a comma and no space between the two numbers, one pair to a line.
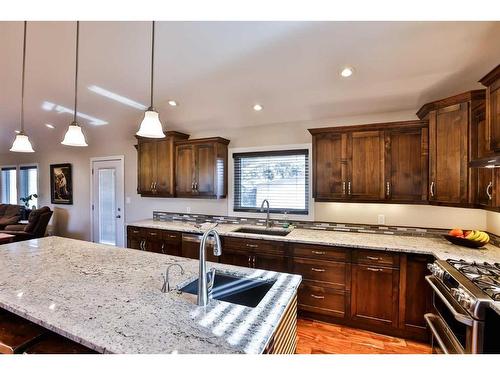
[230,183]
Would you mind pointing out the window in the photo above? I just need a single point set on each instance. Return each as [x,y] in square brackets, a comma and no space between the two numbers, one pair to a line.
[14,186]
[28,183]
[281,177]
[8,181]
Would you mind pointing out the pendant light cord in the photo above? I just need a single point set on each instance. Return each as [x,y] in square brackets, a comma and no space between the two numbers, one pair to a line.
[22,85]
[152,60]
[76,69]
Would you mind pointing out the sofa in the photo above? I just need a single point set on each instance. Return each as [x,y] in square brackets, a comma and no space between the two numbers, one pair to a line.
[9,214]
[38,221]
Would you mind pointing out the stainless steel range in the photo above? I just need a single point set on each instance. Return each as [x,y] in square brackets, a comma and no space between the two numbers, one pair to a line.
[463,321]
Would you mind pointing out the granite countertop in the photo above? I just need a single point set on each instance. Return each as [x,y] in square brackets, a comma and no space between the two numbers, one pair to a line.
[438,247]
[109,299]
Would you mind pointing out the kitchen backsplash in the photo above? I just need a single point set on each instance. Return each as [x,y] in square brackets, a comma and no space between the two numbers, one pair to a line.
[316,225]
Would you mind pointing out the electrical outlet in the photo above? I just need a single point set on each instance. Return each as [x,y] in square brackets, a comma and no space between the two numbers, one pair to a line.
[188,210]
[381,219]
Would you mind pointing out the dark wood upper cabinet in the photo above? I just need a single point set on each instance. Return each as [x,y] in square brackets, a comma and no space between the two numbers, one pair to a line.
[365,153]
[201,168]
[377,162]
[492,83]
[329,167]
[156,165]
[451,147]
[406,163]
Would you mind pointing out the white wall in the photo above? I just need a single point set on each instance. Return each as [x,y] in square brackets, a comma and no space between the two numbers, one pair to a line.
[74,221]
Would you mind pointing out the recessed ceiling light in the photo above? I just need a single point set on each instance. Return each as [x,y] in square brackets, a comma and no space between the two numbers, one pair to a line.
[258,107]
[17,131]
[172,103]
[346,72]
[50,126]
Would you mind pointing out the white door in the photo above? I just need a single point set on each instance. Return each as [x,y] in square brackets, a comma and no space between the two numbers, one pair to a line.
[107,202]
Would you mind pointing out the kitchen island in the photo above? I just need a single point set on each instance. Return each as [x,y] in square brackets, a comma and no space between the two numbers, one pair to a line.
[109,299]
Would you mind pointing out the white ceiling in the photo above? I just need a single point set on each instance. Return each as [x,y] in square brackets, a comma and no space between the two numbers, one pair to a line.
[218,70]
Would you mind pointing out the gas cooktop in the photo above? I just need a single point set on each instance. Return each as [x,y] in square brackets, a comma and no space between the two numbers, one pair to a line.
[485,276]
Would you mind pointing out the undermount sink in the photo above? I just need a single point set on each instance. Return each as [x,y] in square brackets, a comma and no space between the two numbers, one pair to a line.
[268,232]
[232,289]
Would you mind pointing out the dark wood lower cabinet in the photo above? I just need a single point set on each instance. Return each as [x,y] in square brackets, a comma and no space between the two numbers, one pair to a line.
[375,295]
[381,291]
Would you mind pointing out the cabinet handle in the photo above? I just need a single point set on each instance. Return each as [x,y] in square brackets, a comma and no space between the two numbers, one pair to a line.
[349,188]
[318,252]
[317,269]
[374,269]
[488,192]
[151,186]
[254,261]
[196,186]
[343,188]
[163,247]
[135,231]
[143,245]
[153,234]
[154,187]
[372,258]
[317,297]
[172,236]
[388,189]
[251,245]
[192,186]
[250,261]
[432,189]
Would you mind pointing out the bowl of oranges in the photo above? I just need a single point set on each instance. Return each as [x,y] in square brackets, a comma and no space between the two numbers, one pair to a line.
[468,238]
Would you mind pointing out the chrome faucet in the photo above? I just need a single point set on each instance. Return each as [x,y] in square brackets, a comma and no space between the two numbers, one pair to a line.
[166,284]
[265,201]
[204,286]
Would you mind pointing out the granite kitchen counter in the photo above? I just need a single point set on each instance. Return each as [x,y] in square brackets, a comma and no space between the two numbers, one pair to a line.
[438,247]
[109,299]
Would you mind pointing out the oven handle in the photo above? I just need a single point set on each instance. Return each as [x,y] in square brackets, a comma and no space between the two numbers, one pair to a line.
[433,321]
[462,318]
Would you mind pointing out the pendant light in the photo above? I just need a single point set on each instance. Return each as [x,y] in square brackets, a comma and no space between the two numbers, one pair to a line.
[22,142]
[74,135]
[151,126]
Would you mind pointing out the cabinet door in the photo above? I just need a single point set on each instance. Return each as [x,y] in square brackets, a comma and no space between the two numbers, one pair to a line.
[494,115]
[184,170]
[448,143]
[415,293]
[366,165]
[329,166]
[271,262]
[374,295]
[236,258]
[191,248]
[146,155]
[204,159]
[406,165]
[164,168]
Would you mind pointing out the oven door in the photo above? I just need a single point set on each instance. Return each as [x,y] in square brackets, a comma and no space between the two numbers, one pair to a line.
[453,328]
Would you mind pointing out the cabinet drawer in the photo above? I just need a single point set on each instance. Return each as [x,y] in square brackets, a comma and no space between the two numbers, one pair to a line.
[333,273]
[380,258]
[322,300]
[134,231]
[321,252]
[172,236]
[153,234]
[261,246]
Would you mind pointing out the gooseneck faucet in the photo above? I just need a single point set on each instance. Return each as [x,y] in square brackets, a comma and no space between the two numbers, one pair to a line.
[265,201]
[203,284]
[166,283]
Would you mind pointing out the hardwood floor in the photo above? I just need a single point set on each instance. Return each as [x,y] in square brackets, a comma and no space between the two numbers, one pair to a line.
[322,338]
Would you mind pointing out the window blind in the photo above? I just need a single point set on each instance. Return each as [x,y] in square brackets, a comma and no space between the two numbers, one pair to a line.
[281,177]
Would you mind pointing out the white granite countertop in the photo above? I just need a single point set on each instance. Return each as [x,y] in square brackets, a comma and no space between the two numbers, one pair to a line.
[440,248]
[109,299]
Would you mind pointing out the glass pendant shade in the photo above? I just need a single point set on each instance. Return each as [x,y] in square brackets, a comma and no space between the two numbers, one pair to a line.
[151,126]
[74,136]
[22,144]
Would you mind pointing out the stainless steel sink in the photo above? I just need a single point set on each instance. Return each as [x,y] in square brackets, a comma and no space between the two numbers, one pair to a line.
[232,289]
[268,232]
